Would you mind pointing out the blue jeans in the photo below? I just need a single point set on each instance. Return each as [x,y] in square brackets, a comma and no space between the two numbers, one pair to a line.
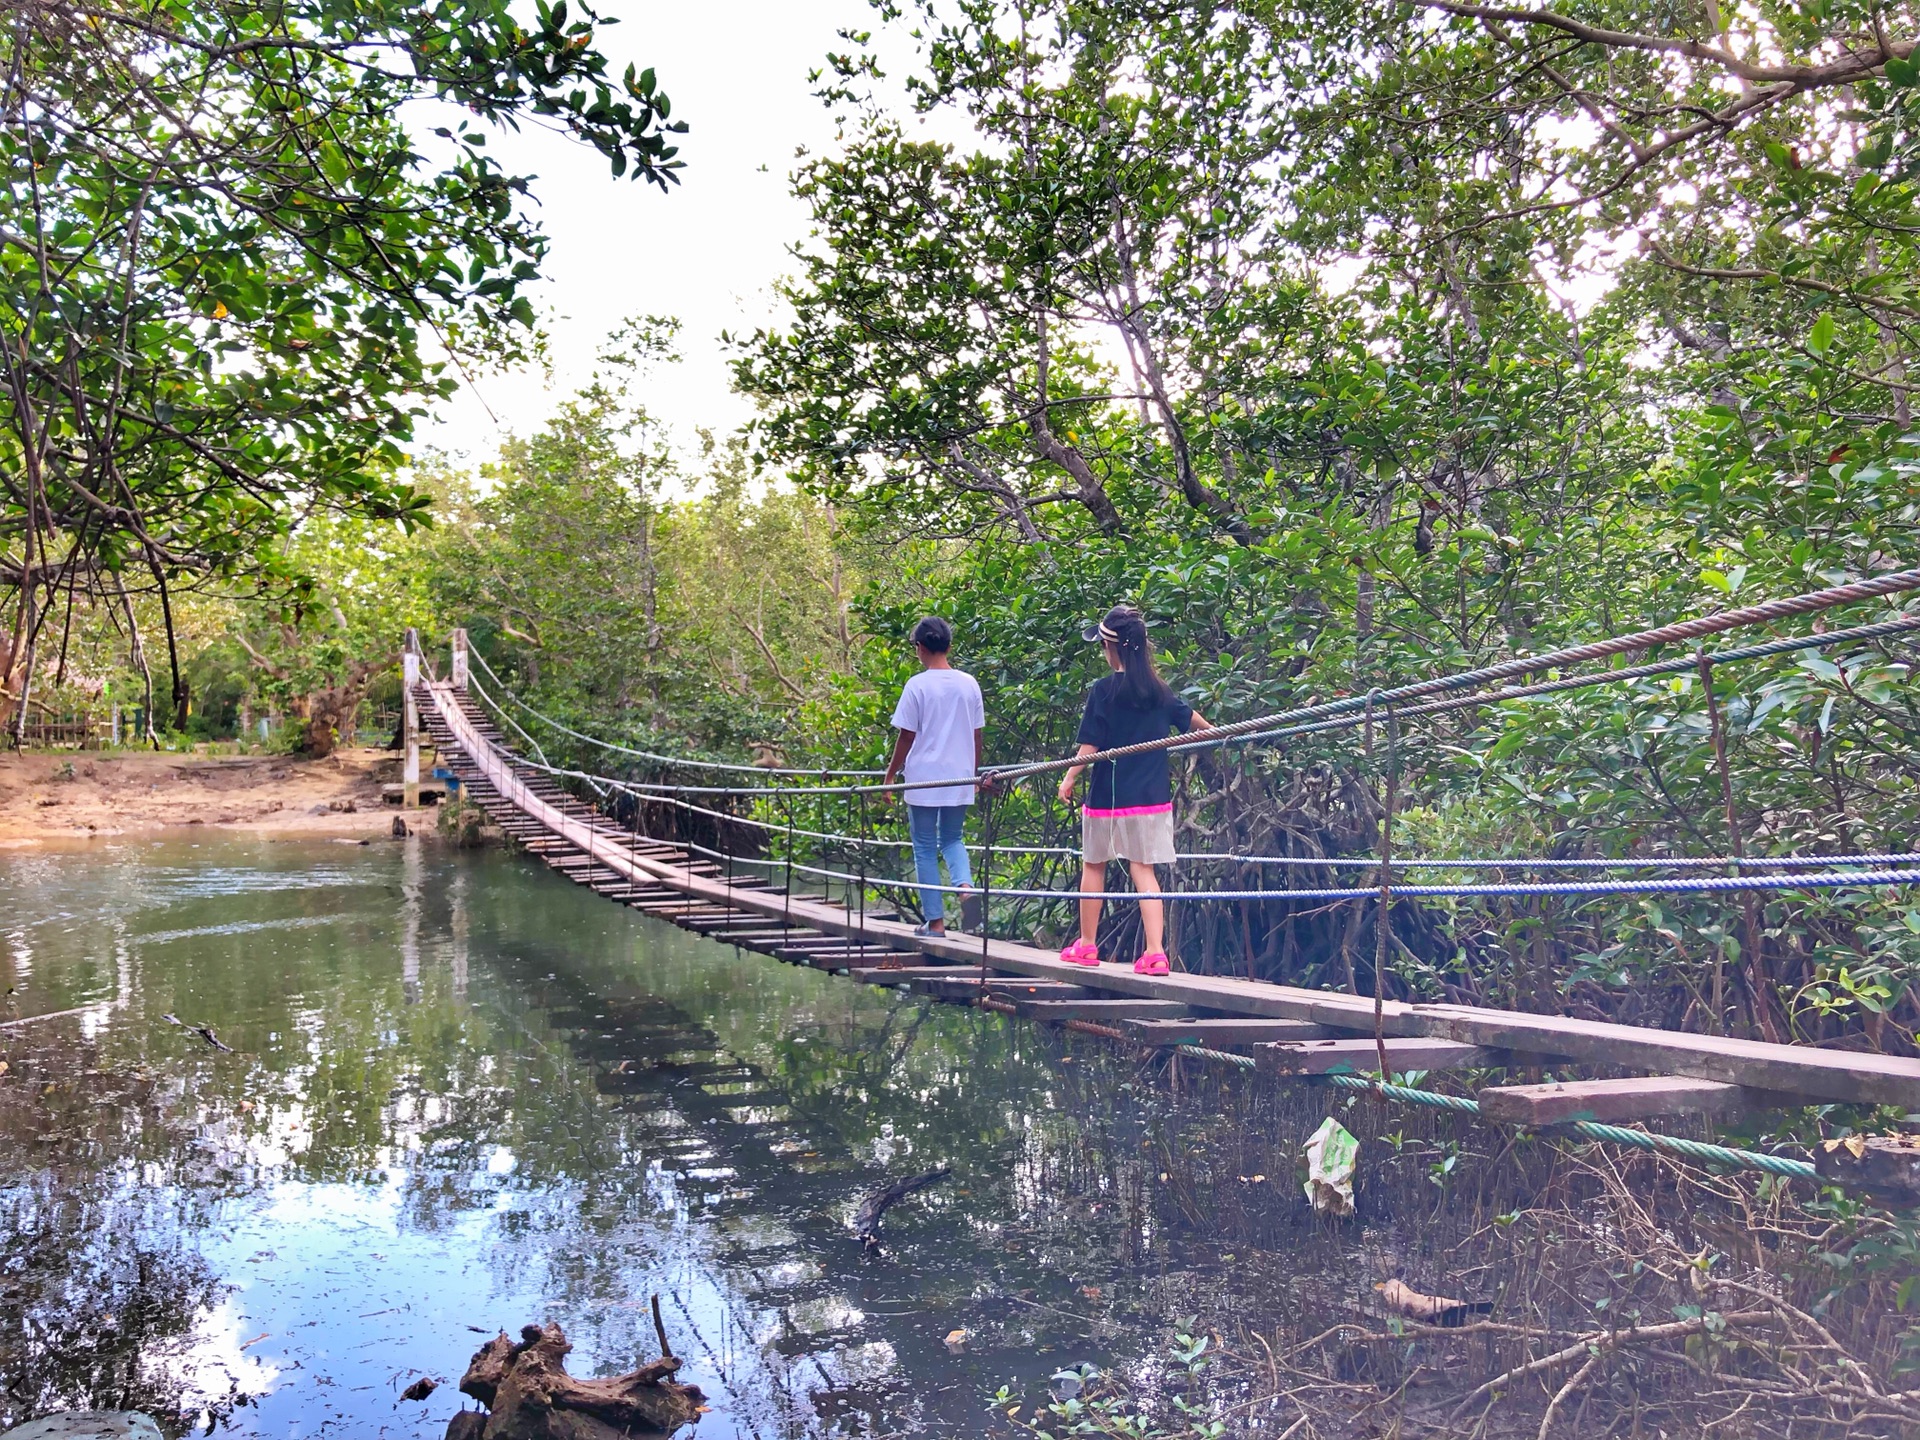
[936,832]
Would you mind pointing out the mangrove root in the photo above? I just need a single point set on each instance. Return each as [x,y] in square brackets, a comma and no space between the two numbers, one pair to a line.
[526,1388]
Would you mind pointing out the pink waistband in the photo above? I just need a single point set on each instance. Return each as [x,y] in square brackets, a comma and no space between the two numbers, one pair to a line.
[1166,809]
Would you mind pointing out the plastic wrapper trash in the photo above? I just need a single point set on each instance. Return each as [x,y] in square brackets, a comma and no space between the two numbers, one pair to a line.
[1331,1156]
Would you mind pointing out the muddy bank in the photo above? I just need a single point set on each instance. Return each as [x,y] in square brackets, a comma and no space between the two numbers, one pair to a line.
[64,796]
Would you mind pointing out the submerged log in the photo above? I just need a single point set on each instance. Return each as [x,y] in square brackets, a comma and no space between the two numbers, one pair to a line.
[873,1209]
[526,1387]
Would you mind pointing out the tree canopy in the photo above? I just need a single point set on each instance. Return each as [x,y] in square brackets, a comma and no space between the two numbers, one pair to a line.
[234,277]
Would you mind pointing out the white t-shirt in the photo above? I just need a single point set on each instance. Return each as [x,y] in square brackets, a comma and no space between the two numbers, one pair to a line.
[942,708]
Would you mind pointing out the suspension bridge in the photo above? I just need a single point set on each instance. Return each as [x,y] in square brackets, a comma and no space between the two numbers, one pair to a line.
[756,893]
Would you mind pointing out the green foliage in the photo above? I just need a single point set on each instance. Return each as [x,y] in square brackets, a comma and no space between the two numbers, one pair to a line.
[647,605]
[232,280]
[1167,1400]
[1358,342]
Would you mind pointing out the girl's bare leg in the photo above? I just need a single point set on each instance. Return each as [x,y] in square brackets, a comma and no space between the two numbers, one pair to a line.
[1153,911]
[1092,878]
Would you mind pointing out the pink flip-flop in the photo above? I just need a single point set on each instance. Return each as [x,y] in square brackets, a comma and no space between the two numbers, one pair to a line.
[1153,962]
[1081,952]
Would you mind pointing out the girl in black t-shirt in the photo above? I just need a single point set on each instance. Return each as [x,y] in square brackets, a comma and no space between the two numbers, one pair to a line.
[1128,813]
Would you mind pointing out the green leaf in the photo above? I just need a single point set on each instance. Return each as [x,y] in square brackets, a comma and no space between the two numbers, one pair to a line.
[1820,338]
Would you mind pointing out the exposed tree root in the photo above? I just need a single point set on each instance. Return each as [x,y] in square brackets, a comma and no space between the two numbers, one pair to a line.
[530,1396]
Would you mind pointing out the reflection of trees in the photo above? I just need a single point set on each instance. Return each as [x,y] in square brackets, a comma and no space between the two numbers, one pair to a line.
[98,1296]
[676,1119]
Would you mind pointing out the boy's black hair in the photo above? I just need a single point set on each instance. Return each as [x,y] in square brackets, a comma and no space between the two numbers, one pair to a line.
[933,634]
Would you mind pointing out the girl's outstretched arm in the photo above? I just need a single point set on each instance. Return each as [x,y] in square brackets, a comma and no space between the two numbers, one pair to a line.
[1068,780]
[1198,722]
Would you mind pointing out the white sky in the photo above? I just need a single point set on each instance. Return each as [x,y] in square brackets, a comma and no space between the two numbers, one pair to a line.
[707,251]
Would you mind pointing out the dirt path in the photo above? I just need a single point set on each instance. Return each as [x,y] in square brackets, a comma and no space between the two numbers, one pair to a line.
[70,795]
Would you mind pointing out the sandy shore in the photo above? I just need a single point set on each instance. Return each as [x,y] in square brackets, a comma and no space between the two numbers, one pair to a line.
[74,795]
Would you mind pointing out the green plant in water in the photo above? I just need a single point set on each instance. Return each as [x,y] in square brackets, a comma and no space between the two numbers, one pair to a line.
[1085,1400]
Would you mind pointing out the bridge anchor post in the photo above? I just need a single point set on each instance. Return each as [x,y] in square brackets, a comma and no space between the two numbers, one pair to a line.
[459,675]
[410,677]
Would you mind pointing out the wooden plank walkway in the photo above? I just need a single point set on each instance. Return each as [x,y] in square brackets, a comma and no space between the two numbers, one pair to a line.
[652,875]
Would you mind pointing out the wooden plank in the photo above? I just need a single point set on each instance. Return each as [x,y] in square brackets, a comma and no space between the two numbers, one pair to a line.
[1845,1075]
[1230,1031]
[708,924]
[1058,1010]
[835,959]
[962,975]
[1612,1102]
[833,964]
[1361,1057]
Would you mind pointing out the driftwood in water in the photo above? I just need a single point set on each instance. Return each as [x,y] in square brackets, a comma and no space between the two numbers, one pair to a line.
[205,1032]
[526,1387]
[866,1220]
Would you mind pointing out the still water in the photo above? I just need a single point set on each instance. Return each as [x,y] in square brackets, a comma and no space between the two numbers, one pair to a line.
[464,1095]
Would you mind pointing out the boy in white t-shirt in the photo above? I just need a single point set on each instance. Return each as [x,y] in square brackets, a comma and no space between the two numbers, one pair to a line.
[941,719]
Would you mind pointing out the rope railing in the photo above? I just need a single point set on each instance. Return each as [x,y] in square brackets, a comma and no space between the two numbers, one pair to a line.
[1840,868]
[1652,885]
[1679,665]
[1813,872]
[1362,862]
[1351,712]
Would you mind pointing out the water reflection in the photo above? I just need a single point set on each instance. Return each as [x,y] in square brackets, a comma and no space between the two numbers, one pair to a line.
[545,1108]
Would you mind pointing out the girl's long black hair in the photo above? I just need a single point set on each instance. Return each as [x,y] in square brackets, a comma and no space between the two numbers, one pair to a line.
[1140,684]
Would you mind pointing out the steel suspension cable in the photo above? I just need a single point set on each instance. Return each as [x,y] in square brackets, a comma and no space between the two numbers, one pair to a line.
[1349,712]
[1885,629]
[1818,600]
[686,761]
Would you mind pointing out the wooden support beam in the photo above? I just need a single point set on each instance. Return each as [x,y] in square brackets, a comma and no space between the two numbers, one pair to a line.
[1612,1102]
[833,959]
[410,722]
[1231,1031]
[897,975]
[968,987]
[1019,987]
[1886,1166]
[1058,1010]
[1361,1057]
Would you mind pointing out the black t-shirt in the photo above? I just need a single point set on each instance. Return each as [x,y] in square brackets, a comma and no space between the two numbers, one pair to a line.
[1111,721]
